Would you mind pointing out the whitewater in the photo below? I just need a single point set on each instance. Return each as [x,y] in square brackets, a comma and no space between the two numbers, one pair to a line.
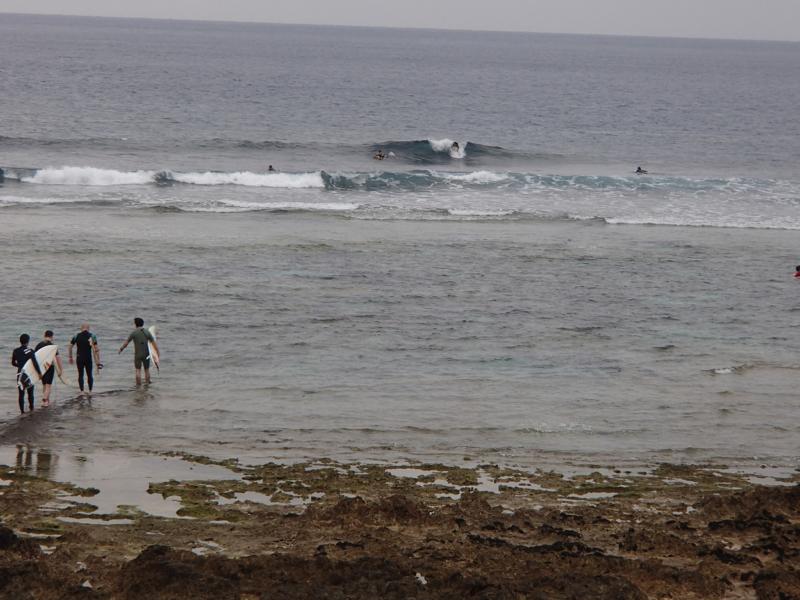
[427,194]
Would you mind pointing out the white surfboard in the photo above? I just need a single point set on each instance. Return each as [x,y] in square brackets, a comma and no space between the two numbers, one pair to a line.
[45,357]
[154,357]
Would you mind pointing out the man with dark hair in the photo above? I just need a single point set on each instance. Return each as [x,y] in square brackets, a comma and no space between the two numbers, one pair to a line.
[87,348]
[47,378]
[19,357]
[141,353]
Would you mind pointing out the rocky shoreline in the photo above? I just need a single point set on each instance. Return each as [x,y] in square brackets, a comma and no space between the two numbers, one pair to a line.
[331,530]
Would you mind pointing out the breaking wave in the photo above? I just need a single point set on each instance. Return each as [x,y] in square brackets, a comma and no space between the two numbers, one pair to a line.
[439,151]
[425,194]
[92,176]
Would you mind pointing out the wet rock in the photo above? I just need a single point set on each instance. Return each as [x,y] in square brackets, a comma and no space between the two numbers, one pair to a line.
[393,509]
[775,585]
[10,541]
[161,573]
[768,503]
[727,556]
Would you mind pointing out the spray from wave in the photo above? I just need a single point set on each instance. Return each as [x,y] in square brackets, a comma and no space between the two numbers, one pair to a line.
[454,149]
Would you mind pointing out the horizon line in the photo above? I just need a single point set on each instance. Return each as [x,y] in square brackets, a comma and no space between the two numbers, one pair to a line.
[410,28]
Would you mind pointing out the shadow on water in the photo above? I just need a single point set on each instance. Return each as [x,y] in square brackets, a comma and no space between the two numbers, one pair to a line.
[40,462]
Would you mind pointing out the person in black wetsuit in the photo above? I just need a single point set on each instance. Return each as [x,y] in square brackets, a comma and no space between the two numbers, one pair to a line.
[18,359]
[47,378]
[87,349]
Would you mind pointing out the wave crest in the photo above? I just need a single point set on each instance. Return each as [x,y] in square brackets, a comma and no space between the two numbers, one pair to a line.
[88,176]
[92,176]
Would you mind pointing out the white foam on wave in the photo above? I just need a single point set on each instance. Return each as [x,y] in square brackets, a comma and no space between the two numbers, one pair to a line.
[89,176]
[758,223]
[460,212]
[446,145]
[243,206]
[92,176]
[17,200]
[475,177]
[246,178]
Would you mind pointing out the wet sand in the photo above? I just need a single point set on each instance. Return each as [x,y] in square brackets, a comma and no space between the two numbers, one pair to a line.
[334,530]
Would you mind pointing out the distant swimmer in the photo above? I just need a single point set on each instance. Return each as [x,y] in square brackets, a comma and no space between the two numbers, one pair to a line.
[797,272]
[379,155]
[270,169]
[141,351]
[87,349]
[640,171]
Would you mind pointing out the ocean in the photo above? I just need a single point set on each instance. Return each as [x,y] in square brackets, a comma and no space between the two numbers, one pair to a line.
[523,299]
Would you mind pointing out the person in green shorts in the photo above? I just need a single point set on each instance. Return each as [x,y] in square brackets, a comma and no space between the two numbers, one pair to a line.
[141,353]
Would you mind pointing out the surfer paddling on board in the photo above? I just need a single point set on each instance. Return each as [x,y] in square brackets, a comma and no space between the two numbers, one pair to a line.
[797,272]
[640,171]
[141,353]
[47,378]
[19,357]
[87,349]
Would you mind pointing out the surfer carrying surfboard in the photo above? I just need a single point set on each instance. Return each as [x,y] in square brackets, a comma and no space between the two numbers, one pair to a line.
[47,378]
[141,352]
[19,357]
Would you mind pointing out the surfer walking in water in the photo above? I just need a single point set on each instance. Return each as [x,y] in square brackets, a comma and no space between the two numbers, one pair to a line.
[19,357]
[87,349]
[49,375]
[141,352]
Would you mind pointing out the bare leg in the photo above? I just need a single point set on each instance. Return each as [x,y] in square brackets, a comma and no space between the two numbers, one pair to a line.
[138,377]
[146,375]
[46,395]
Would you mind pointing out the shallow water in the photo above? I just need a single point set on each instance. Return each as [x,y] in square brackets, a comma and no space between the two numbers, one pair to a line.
[120,479]
[302,336]
[523,299]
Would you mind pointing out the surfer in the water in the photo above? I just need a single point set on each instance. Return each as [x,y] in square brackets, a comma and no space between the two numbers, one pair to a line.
[141,353]
[797,272]
[87,349]
[18,359]
[379,155]
[640,171]
[49,375]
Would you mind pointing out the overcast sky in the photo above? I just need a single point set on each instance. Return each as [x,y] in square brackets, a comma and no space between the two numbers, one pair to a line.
[749,19]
